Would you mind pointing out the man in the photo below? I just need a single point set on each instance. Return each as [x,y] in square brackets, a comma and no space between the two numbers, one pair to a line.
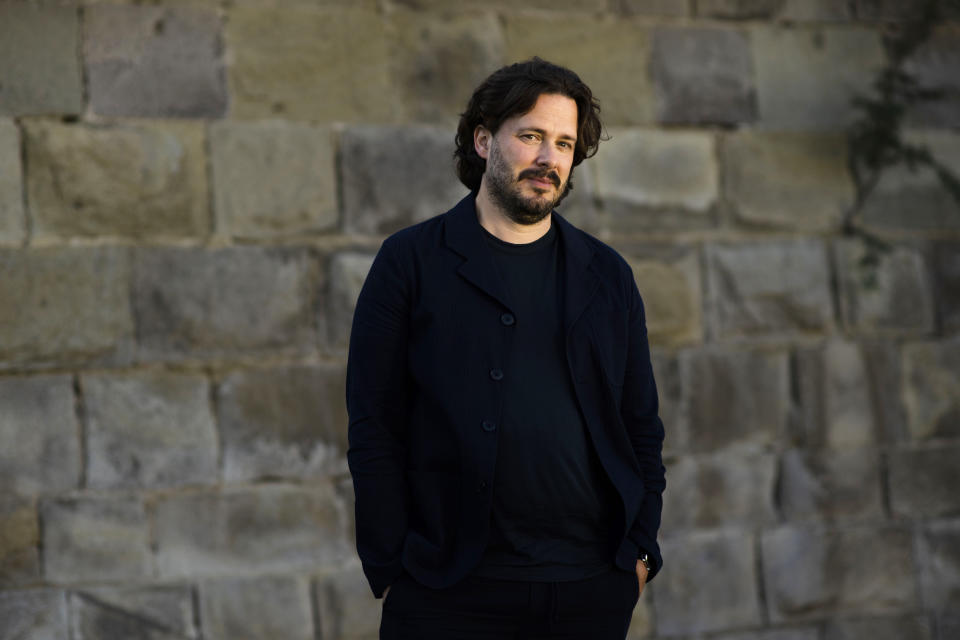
[505,445]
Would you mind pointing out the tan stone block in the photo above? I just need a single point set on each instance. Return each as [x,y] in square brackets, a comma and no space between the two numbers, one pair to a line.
[12,223]
[143,612]
[34,614]
[19,541]
[263,608]
[931,389]
[671,293]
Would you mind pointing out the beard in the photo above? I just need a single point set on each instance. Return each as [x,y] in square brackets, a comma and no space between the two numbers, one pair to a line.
[504,190]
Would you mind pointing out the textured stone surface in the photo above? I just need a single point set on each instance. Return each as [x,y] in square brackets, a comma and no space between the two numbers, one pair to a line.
[303,63]
[923,482]
[36,614]
[95,538]
[395,176]
[885,628]
[669,283]
[142,613]
[39,68]
[133,180]
[12,222]
[282,423]
[940,566]
[883,363]
[788,180]
[713,574]
[806,77]
[817,10]
[347,273]
[149,429]
[272,528]
[803,633]
[345,606]
[665,8]
[64,305]
[935,65]
[946,267]
[769,288]
[811,573]
[273,179]
[702,75]
[19,541]
[257,609]
[154,61]
[203,303]
[830,485]
[931,388]
[737,8]
[38,426]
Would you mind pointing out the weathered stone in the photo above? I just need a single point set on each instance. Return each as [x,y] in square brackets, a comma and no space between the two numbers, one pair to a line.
[149,429]
[347,273]
[931,389]
[713,574]
[12,222]
[257,609]
[66,305]
[923,482]
[740,9]
[19,540]
[771,288]
[883,291]
[662,8]
[204,303]
[811,573]
[346,608]
[39,68]
[935,65]
[561,6]
[807,77]
[95,538]
[892,10]
[788,180]
[816,10]
[154,61]
[830,485]
[804,633]
[130,180]
[38,426]
[37,614]
[283,423]
[273,179]
[273,528]
[948,627]
[702,75]
[886,628]
[141,613]
[395,176]
[612,61]
[946,267]
[304,63]
[883,364]
[940,567]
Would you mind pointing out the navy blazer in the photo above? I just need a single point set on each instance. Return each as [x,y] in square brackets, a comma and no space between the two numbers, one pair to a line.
[431,321]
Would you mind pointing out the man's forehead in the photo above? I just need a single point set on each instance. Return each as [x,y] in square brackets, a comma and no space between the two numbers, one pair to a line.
[553,109]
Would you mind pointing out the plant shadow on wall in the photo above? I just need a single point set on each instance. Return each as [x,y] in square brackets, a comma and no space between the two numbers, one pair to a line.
[875,139]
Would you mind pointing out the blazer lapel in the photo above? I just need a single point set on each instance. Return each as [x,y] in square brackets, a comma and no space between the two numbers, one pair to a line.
[581,281]
[464,235]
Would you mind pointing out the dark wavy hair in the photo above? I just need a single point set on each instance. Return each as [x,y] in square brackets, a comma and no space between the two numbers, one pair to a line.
[513,90]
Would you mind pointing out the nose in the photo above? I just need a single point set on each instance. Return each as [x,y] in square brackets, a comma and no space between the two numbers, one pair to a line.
[547,157]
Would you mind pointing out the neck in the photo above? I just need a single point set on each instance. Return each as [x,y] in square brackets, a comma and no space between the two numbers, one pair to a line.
[498,223]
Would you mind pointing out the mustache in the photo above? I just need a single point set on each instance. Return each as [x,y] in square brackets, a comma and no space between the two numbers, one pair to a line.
[550,175]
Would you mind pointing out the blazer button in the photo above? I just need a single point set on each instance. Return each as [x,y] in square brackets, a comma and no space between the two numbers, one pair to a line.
[488,425]
[507,319]
[496,374]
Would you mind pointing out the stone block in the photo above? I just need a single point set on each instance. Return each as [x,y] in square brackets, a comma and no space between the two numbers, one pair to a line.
[830,485]
[787,180]
[883,363]
[806,77]
[19,541]
[802,633]
[931,389]
[738,9]
[885,628]
[257,609]
[885,10]
[395,176]
[702,75]
[558,6]
[39,66]
[347,273]
[613,60]
[712,574]
[12,222]
[149,429]
[923,482]
[935,65]
[273,179]
[151,61]
[770,288]
[147,613]
[346,608]
[209,303]
[64,305]
[661,8]
[304,63]
[812,573]
[131,180]
[948,627]
[35,614]
[272,528]
[883,291]
[816,10]
[946,268]
[95,539]
[939,552]
[41,436]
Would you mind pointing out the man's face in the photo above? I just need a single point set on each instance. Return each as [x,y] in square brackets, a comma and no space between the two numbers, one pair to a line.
[530,159]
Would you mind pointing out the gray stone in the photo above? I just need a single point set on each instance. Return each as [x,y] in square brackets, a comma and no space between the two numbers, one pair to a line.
[257,609]
[702,75]
[19,541]
[154,61]
[883,364]
[149,429]
[208,303]
[740,9]
[804,633]
[939,552]
[946,267]
[346,608]
[37,614]
[812,573]
[830,485]
[887,10]
[776,287]
[712,574]
[95,539]
[395,176]
[64,306]
[816,10]
[923,482]
[886,628]
[935,65]
[134,613]
[931,389]
[12,222]
[347,274]
[948,627]
[39,67]
[272,528]
[663,8]
[41,437]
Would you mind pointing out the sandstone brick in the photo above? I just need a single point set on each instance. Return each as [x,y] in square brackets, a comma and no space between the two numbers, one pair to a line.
[777,287]
[133,180]
[65,305]
[740,9]
[816,10]
[39,69]
[12,222]
[931,388]
[303,63]
[812,573]
[95,539]
[148,613]
[703,75]
[669,283]
[946,267]
[273,179]
[38,426]
[923,482]
[35,614]
[346,608]
[885,628]
[934,65]
[788,180]
[19,541]
[806,77]
[939,552]
[664,8]
[830,485]
[154,61]
[347,273]
[257,609]
[395,176]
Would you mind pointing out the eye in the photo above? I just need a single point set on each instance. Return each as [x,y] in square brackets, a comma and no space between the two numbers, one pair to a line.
[565,144]
[528,136]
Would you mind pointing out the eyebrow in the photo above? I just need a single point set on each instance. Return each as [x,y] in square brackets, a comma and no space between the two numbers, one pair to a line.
[564,136]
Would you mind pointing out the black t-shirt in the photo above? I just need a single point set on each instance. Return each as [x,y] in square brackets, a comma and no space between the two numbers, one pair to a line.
[552,501]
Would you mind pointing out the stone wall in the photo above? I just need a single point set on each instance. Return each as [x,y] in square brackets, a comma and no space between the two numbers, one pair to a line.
[190,195]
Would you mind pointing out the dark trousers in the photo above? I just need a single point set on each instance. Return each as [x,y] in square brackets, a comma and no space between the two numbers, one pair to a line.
[598,608]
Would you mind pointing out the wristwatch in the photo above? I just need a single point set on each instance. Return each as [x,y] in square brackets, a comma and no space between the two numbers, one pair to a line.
[645,559]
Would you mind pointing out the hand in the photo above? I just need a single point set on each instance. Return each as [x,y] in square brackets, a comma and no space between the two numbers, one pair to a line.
[641,576]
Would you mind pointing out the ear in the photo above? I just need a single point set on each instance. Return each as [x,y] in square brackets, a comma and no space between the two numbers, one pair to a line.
[481,141]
